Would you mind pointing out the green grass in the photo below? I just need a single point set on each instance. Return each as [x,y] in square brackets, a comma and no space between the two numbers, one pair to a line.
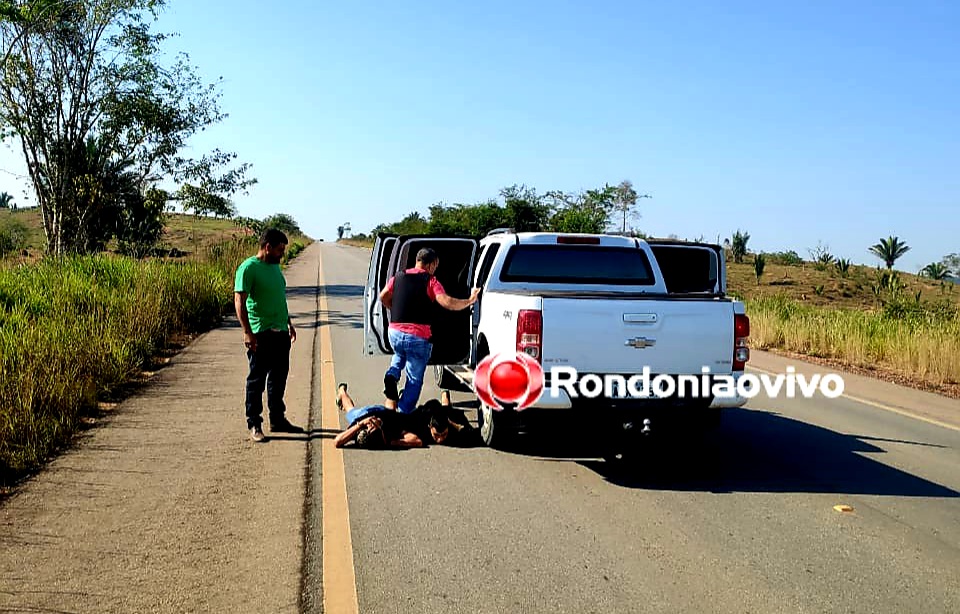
[77,331]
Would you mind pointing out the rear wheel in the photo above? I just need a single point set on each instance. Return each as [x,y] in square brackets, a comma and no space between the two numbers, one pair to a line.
[497,428]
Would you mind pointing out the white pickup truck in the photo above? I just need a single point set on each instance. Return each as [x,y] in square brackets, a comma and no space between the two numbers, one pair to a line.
[601,304]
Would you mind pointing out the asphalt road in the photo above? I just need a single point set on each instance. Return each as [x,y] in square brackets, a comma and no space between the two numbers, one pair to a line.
[167,506]
[743,521]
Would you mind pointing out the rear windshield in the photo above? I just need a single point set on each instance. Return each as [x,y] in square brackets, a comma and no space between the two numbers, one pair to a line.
[577,264]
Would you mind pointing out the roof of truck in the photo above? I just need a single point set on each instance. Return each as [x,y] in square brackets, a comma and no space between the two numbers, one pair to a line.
[552,238]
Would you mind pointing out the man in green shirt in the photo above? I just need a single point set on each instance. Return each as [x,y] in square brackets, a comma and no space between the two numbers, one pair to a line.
[260,298]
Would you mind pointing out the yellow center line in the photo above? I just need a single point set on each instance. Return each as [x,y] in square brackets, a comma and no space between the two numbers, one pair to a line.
[339,576]
[889,408]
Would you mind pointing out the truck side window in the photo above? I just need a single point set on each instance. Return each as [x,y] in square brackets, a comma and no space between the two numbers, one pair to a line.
[486,264]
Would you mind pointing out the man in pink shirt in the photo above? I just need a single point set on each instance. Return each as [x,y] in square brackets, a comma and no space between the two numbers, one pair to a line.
[408,296]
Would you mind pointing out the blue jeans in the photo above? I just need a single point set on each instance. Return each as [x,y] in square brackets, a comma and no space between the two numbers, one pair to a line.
[358,413]
[410,354]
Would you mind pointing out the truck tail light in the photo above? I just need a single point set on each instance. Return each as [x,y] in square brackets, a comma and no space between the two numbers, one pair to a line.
[741,330]
[529,332]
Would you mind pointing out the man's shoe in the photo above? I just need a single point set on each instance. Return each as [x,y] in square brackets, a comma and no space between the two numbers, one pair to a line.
[256,434]
[283,426]
[390,388]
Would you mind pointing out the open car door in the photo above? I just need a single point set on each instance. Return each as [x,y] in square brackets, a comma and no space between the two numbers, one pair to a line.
[452,330]
[375,315]
[691,268]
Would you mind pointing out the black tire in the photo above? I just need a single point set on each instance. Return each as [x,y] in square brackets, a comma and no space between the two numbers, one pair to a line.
[497,428]
[448,381]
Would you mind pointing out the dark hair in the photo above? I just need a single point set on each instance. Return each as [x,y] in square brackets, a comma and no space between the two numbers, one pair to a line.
[272,236]
[431,406]
[371,441]
[426,256]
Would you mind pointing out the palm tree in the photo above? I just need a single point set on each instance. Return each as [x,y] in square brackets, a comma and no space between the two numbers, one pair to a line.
[936,270]
[739,245]
[889,250]
[759,263]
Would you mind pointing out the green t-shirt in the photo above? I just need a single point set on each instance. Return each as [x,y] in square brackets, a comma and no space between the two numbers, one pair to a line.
[266,291]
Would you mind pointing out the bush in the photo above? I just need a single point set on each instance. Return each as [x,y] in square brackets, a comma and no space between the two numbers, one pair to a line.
[790,258]
[13,237]
[293,251]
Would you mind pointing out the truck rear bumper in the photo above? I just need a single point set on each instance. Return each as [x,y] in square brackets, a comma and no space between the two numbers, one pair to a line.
[734,400]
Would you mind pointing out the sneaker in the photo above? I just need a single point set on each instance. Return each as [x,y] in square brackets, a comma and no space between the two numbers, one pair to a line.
[390,388]
[256,434]
[283,426]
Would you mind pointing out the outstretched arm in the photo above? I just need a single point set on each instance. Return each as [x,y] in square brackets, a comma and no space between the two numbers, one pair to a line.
[456,304]
[386,296]
[347,436]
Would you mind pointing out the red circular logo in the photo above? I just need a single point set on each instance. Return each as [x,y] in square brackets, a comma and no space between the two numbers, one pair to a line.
[502,380]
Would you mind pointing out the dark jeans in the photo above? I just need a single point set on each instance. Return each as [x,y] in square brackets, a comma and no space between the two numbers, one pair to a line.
[268,367]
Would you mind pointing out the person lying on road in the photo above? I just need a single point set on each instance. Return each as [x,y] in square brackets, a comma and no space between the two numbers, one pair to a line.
[433,422]
[374,426]
[442,423]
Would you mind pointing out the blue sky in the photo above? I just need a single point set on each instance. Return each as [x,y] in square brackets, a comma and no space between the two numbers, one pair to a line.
[832,122]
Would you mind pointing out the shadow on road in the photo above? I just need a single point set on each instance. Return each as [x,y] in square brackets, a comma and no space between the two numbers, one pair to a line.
[302,291]
[753,451]
[305,436]
[343,291]
[332,291]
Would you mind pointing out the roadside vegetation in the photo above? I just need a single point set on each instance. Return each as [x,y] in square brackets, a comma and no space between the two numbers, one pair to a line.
[871,318]
[77,332]
[98,279]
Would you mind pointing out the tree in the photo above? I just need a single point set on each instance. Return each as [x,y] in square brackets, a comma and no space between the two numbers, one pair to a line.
[76,70]
[6,200]
[759,262]
[585,212]
[283,222]
[625,199]
[342,229]
[739,245]
[952,262]
[524,210]
[936,270]
[889,250]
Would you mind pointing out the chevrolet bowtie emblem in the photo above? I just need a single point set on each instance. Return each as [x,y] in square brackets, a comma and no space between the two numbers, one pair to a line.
[640,342]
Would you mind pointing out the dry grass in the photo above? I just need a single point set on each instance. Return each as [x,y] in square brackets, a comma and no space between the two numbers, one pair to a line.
[921,341]
[75,332]
[184,233]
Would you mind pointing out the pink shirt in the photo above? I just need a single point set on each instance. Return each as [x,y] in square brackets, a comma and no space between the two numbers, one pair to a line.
[434,289]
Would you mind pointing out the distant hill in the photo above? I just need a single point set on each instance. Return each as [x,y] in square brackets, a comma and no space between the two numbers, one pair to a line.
[828,287]
[185,233]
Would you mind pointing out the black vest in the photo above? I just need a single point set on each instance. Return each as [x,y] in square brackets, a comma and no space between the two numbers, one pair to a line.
[411,304]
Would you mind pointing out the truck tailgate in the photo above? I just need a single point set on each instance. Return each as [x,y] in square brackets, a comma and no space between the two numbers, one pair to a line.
[604,335]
